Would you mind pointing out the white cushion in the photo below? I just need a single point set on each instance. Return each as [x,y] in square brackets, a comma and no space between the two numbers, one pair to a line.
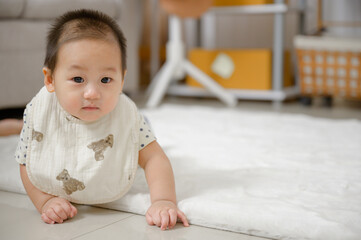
[48,9]
[11,8]
[22,50]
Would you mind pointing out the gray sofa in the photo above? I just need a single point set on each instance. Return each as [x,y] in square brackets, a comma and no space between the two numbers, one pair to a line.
[23,28]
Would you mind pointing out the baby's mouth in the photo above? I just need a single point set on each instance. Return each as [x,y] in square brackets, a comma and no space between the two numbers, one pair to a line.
[90,108]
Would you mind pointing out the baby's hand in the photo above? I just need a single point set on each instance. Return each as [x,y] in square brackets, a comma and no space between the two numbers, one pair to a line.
[164,214]
[56,210]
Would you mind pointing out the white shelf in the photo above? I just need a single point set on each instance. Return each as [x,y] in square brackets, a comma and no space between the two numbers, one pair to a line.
[184,90]
[278,93]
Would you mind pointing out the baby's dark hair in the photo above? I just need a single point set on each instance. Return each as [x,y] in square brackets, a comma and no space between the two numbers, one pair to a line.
[82,24]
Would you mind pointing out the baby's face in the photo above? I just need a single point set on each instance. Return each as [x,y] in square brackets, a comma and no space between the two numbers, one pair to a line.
[88,78]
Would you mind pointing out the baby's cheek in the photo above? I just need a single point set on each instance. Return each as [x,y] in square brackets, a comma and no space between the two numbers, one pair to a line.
[70,104]
[110,103]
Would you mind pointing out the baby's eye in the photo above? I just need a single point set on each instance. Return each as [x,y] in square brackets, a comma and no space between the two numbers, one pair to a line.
[106,80]
[78,79]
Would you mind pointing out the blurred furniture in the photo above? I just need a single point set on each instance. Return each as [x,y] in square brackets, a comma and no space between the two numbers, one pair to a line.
[340,18]
[23,29]
[239,68]
[329,63]
[176,65]
[329,66]
[278,92]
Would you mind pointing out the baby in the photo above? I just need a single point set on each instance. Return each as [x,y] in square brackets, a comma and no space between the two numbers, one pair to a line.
[82,139]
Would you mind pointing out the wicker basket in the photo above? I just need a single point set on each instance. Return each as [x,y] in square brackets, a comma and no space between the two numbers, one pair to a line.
[329,66]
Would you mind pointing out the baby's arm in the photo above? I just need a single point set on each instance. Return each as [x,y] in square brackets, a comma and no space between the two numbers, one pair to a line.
[10,126]
[158,171]
[53,209]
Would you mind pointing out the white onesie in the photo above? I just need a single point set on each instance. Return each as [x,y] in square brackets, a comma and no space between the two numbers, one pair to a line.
[87,163]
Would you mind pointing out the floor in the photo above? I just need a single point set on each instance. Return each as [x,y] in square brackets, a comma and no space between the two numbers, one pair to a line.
[20,220]
[341,109]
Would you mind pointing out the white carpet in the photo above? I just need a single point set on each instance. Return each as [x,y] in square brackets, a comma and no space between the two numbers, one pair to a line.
[266,174]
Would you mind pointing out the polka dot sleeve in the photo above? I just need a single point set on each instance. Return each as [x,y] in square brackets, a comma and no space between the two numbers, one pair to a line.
[146,135]
[20,153]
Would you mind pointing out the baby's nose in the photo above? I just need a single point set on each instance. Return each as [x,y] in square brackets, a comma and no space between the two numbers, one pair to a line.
[91,92]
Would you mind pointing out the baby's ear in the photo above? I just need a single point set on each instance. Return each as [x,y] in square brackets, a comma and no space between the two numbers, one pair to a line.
[48,79]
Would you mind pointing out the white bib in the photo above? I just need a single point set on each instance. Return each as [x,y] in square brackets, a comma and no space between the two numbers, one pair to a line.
[87,163]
